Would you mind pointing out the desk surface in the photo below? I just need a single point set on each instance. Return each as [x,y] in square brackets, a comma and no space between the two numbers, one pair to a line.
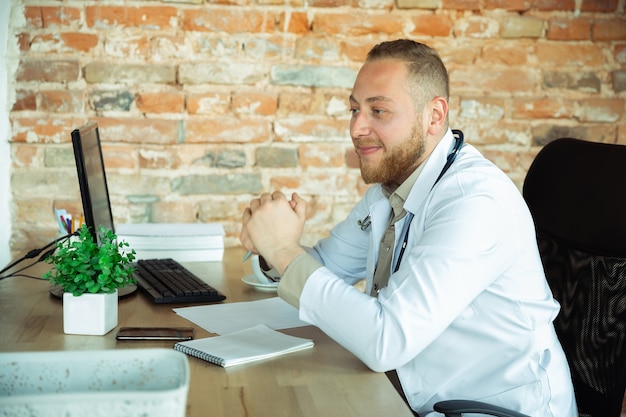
[324,381]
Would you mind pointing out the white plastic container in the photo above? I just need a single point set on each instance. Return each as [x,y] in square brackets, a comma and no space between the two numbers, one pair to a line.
[97,383]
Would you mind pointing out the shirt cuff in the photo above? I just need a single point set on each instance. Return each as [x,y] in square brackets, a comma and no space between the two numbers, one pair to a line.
[295,277]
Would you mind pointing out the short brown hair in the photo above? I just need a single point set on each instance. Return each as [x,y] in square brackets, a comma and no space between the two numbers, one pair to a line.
[428,76]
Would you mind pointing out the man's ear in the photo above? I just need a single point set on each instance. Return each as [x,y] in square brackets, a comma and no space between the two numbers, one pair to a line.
[437,116]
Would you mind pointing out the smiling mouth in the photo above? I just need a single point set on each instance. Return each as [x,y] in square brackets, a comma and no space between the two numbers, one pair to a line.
[367,149]
[363,148]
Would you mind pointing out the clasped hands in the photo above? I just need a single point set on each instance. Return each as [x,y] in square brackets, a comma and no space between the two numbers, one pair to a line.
[272,227]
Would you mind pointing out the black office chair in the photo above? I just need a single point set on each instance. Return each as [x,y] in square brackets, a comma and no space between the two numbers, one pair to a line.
[576,192]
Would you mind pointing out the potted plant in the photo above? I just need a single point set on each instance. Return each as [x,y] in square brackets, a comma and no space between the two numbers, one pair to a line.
[90,274]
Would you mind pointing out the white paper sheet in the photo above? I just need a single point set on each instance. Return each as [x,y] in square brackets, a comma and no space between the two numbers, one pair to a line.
[231,317]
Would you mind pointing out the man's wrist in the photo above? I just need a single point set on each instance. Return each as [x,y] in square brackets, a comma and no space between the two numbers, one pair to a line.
[281,258]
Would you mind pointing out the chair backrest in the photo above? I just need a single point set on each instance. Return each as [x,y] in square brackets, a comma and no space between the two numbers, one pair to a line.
[576,192]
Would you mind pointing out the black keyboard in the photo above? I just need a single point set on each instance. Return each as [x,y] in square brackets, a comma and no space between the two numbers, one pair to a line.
[167,281]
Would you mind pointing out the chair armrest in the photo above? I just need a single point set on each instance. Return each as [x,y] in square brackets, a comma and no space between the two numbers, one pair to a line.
[454,408]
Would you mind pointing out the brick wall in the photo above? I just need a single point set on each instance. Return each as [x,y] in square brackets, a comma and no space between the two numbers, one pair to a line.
[204,104]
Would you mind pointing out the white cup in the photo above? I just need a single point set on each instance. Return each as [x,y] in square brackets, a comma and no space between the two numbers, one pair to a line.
[256,268]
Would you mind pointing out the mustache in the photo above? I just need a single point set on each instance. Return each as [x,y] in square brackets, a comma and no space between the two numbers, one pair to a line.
[365,143]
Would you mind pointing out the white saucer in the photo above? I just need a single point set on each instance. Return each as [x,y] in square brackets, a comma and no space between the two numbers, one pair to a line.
[251,280]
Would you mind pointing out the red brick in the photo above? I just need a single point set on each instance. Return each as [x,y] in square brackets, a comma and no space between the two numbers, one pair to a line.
[320,155]
[23,42]
[268,48]
[158,17]
[33,16]
[25,100]
[432,25]
[173,212]
[351,24]
[168,46]
[609,29]
[127,130]
[25,155]
[461,54]
[356,49]
[551,5]
[599,6]
[291,3]
[506,53]
[505,132]
[329,3]
[129,48]
[227,130]
[566,54]
[496,81]
[230,21]
[213,103]
[461,4]
[601,110]
[60,16]
[43,130]
[296,103]
[80,41]
[263,104]
[157,158]
[569,29]
[107,16]
[64,42]
[62,101]
[129,72]
[544,108]
[46,70]
[482,108]
[118,157]
[477,27]
[160,102]
[285,183]
[308,130]
[514,5]
[294,22]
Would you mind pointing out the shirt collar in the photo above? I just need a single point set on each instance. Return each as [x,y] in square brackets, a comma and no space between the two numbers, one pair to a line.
[398,196]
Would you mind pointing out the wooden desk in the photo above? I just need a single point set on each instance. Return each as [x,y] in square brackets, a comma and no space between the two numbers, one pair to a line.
[324,381]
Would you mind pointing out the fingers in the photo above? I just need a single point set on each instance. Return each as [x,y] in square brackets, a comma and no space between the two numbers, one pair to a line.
[299,205]
[244,238]
[266,201]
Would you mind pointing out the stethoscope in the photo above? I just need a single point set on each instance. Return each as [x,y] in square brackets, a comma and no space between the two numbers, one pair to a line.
[365,223]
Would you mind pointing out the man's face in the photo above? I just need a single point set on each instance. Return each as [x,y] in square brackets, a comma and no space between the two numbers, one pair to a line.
[386,130]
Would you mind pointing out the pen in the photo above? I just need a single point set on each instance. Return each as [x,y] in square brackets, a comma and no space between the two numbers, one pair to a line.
[246,256]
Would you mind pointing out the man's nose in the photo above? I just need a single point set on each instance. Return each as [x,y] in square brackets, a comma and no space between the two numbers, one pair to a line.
[359,125]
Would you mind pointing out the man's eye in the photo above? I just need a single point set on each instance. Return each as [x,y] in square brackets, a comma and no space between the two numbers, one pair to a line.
[378,112]
[354,111]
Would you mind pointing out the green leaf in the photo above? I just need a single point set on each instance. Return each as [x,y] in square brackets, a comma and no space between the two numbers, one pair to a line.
[80,265]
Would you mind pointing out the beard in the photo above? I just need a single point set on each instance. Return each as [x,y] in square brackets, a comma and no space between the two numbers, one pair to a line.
[397,161]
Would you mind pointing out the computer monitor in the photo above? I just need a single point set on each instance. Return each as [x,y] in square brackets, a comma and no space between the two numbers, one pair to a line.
[92,179]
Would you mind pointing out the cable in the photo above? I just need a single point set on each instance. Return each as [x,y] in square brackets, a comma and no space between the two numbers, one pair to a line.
[31,254]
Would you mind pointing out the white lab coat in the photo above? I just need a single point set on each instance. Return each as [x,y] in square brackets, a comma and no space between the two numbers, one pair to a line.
[469,314]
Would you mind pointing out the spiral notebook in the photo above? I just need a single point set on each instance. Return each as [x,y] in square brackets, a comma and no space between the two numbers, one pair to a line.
[244,346]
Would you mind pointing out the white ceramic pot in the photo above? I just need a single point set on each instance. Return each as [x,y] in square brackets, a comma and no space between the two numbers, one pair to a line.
[89,314]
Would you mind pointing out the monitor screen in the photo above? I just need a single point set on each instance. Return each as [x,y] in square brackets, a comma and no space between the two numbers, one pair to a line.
[92,178]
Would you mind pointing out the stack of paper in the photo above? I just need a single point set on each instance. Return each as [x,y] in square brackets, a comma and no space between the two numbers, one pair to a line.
[183,242]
